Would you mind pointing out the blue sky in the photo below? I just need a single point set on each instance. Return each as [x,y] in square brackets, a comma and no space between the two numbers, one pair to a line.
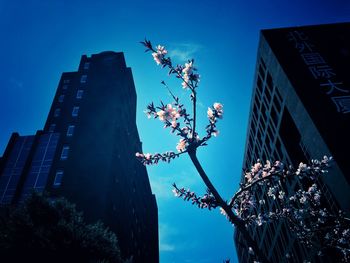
[42,39]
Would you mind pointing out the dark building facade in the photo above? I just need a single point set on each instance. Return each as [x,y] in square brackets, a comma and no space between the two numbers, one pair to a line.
[300,110]
[86,153]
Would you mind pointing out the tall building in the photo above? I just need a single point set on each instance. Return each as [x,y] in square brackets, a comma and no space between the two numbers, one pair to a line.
[86,153]
[300,110]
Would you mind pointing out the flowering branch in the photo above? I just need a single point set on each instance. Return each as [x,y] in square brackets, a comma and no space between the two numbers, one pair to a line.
[170,113]
[148,158]
[190,140]
[206,201]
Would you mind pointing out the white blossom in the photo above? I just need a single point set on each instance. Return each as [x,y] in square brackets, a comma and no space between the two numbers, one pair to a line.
[281,194]
[302,168]
[303,199]
[159,54]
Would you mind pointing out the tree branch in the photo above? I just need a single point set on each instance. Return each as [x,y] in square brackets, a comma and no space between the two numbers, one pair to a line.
[235,220]
[252,184]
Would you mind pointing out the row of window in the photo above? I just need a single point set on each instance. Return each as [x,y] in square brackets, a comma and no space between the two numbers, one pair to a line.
[70,130]
[79,96]
[64,156]
[75,112]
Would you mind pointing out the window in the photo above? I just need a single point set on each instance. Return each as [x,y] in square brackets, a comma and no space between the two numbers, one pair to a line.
[64,153]
[276,102]
[260,84]
[61,98]
[66,81]
[75,111]
[83,79]
[57,112]
[70,130]
[86,65]
[274,116]
[261,71]
[80,93]
[58,178]
[269,81]
[52,127]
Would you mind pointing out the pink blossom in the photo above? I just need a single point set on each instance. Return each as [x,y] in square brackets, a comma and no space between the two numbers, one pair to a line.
[185,130]
[210,113]
[223,212]
[188,69]
[169,113]
[190,136]
[161,50]
[180,147]
[161,115]
[219,109]
[215,133]
[186,79]
[148,156]
[249,177]
[218,106]
[157,58]
[139,155]
[174,124]
[176,192]
[256,167]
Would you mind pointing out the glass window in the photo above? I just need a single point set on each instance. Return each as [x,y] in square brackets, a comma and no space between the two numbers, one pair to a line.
[52,127]
[276,102]
[58,178]
[75,111]
[80,93]
[57,112]
[268,95]
[269,81]
[70,130]
[278,95]
[64,153]
[261,71]
[83,79]
[274,116]
[61,98]
[86,65]
[260,84]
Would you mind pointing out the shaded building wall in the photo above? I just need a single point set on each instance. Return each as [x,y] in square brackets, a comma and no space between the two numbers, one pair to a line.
[87,154]
[96,158]
[294,117]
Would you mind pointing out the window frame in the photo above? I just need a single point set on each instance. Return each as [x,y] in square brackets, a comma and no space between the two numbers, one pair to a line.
[83,78]
[58,178]
[61,98]
[70,130]
[52,127]
[80,93]
[64,152]
[57,112]
[75,111]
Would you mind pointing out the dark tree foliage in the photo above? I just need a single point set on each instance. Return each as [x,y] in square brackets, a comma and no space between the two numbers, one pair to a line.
[44,230]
